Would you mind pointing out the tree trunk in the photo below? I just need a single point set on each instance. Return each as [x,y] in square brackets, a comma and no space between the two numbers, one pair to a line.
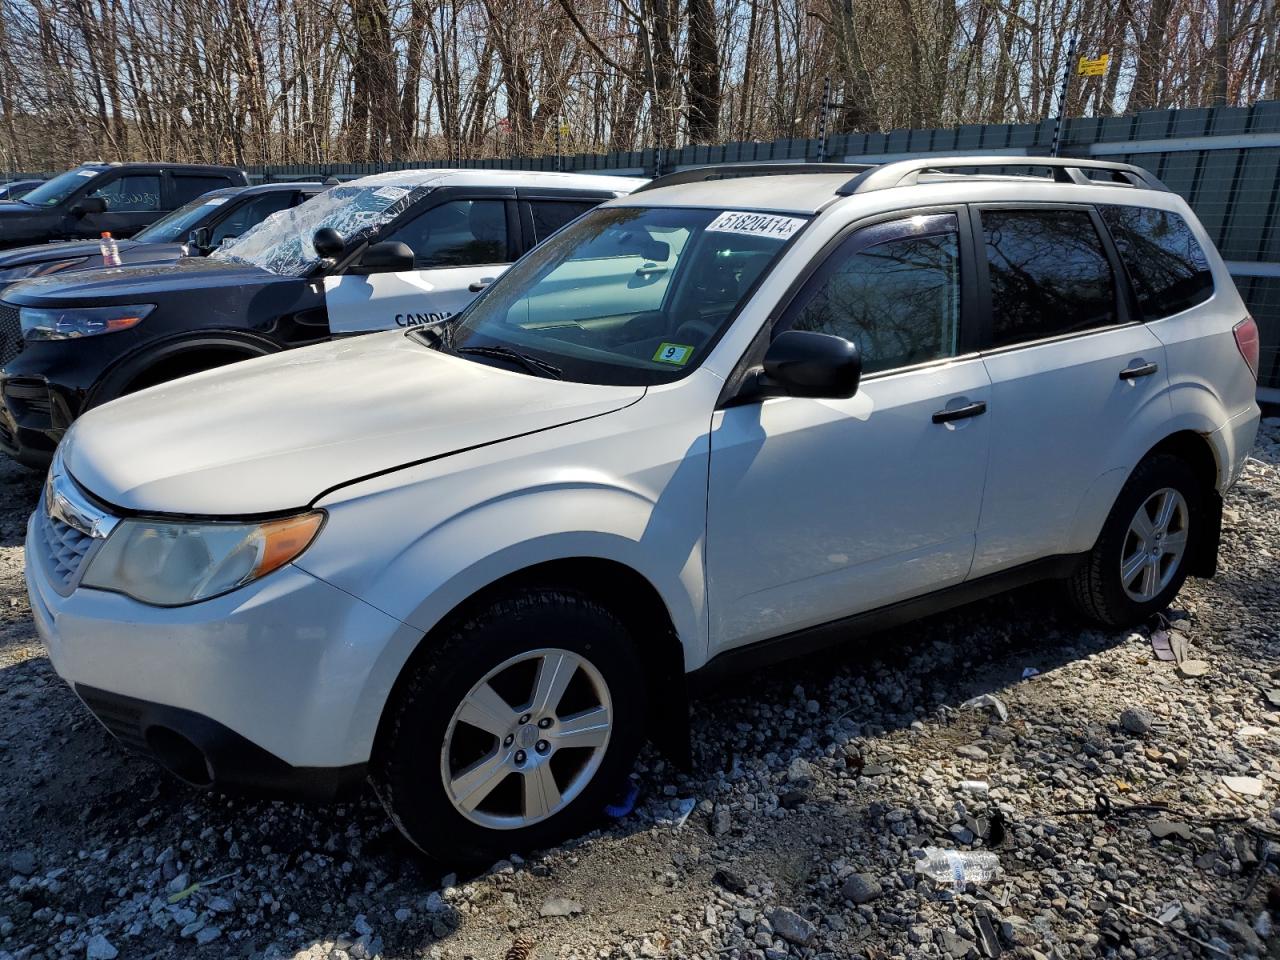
[704,72]
[1151,56]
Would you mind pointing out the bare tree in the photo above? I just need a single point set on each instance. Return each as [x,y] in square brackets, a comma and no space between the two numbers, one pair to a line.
[273,81]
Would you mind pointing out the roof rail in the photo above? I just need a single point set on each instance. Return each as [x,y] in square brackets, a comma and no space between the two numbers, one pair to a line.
[731,171]
[902,173]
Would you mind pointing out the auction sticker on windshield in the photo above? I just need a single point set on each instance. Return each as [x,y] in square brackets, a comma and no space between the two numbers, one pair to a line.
[755,224]
[676,353]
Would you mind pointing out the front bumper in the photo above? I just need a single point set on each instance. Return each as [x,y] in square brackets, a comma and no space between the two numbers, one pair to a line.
[276,687]
[33,418]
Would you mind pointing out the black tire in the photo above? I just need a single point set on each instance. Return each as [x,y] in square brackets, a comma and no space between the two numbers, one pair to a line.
[1095,588]
[406,771]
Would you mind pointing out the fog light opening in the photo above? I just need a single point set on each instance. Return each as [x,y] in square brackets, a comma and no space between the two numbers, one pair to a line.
[179,756]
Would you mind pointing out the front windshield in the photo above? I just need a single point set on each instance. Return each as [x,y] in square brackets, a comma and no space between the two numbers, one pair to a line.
[627,295]
[282,242]
[175,226]
[53,192]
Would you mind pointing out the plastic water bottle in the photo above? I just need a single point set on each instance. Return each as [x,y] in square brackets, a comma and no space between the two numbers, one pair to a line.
[958,867]
[110,250]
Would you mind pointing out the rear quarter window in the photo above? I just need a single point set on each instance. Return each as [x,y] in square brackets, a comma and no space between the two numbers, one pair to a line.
[1166,265]
[188,186]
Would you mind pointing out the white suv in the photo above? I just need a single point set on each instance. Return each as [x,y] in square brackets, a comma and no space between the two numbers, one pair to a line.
[730,417]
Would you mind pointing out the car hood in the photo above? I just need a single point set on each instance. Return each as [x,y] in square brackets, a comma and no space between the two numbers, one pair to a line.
[273,434]
[135,284]
[65,250]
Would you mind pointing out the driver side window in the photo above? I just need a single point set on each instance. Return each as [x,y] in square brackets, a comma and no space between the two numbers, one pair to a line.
[459,233]
[893,289]
[132,193]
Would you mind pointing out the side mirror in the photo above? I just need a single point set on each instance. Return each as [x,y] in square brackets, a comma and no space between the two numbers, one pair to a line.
[389,256]
[200,240]
[803,364]
[88,205]
[328,243]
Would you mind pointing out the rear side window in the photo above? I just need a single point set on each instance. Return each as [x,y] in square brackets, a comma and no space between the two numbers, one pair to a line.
[893,289]
[550,215]
[1049,274]
[460,233]
[187,187]
[1166,265]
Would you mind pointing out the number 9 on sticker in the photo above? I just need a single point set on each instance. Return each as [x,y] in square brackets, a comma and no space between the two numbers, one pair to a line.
[674,353]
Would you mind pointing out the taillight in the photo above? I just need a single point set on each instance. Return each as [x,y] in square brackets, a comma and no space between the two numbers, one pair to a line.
[1246,333]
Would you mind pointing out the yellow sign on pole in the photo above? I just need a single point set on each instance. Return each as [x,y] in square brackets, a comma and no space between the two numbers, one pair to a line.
[1093,68]
[564,129]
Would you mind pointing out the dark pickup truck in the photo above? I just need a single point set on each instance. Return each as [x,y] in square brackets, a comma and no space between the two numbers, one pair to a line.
[119,198]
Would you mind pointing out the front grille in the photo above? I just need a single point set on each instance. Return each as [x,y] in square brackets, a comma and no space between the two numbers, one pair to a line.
[65,548]
[11,342]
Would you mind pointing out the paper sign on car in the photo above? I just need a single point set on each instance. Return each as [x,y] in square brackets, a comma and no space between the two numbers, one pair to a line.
[755,224]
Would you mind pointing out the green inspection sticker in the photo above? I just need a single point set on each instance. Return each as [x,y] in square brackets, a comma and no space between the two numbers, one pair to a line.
[676,353]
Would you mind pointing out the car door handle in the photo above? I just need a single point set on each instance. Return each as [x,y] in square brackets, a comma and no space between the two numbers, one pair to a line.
[478,285]
[977,408]
[1142,370]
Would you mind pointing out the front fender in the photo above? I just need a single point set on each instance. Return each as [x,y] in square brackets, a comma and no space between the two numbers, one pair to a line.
[627,488]
[435,571]
[562,521]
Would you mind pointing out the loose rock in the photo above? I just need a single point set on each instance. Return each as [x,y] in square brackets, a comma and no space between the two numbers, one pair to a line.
[792,927]
[100,948]
[560,907]
[861,888]
[1137,720]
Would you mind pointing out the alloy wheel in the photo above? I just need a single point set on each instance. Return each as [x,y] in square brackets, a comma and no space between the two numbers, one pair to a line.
[1154,545]
[527,739]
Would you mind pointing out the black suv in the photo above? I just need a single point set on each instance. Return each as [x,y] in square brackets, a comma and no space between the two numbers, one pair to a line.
[194,230]
[120,198]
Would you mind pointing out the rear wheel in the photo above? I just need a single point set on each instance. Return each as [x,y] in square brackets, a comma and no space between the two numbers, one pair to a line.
[1143,554]
[514,730]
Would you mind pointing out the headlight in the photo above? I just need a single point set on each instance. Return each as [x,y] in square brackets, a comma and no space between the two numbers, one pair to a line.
[171,563]
[28,270]
[67,323]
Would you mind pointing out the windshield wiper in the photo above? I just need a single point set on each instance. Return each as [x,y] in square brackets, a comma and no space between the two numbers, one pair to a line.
[535,366]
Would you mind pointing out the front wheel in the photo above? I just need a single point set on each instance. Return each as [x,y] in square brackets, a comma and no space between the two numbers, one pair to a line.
[514,729]
[1143,553]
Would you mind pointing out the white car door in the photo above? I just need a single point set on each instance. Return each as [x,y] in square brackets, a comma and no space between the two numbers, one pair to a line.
[819,509]
[1076,384]
[459,247]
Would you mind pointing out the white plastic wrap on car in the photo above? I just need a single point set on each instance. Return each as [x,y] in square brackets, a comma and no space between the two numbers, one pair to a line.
[282,242]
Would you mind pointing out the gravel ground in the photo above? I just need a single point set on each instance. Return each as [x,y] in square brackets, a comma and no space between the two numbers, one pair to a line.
[815,787]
